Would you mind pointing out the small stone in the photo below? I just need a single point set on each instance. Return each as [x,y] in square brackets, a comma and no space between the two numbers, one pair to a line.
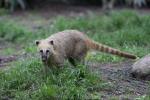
[141,68]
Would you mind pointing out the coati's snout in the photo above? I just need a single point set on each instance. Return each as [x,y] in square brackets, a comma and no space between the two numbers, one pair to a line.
[45,49]
[45,54]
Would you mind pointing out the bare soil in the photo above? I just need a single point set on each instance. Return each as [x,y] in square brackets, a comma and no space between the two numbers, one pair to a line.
[4,61]
[123,85]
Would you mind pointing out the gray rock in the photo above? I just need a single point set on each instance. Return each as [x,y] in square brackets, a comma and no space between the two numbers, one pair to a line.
[141,68]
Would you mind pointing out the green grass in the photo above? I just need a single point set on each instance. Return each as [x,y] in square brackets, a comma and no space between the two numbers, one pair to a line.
[3,11]
[26,81]
[144,97]
[7,51]
[124,30]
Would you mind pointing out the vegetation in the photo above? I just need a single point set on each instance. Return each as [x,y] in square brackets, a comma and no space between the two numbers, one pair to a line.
[12,4]
[124,30]
[26,81]
[23,4]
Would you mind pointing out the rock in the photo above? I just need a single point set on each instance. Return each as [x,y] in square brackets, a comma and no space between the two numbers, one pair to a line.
[141,68]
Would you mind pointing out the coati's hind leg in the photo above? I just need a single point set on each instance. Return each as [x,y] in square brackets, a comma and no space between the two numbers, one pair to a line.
[80,53]
[77,60]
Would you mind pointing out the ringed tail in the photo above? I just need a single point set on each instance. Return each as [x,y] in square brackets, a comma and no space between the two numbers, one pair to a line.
[100,47]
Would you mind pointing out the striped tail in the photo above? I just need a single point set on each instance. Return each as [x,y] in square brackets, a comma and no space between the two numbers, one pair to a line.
[100,47]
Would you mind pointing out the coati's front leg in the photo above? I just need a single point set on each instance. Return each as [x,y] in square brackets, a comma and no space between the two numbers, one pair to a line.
[45,69]
[57,60]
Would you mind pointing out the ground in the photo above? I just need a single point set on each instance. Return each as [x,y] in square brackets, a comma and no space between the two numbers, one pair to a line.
[117,75]
[123,84]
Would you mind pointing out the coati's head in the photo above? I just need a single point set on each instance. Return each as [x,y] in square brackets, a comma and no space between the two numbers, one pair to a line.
[45,48]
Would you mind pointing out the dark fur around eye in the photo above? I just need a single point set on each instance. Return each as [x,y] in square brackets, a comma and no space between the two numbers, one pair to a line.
[41,51]
[47,51]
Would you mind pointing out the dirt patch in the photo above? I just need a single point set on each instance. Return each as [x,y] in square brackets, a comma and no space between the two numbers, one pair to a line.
[4,61]
[123,85]
[43,17]
[51,11]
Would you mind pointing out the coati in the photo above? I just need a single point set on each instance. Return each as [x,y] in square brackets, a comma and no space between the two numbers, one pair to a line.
[72,45]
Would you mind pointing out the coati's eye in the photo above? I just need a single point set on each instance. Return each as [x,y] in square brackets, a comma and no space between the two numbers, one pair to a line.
[41,51]
[47,51]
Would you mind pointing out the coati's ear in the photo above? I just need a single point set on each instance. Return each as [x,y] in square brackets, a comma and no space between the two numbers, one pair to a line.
[37,42]
[51,42]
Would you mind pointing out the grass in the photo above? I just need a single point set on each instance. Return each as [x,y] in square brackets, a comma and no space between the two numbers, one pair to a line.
[7,51]
[26,81]
[124,30]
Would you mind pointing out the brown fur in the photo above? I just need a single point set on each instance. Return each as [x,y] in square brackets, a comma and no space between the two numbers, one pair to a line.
[72,45]
[100,47]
